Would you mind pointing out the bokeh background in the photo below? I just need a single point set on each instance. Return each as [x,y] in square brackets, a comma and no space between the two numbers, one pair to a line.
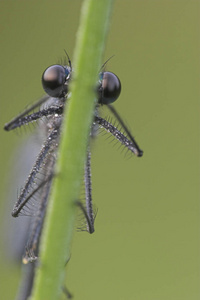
[147,240]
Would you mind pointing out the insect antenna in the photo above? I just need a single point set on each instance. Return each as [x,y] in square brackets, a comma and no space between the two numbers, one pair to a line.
[69,61]
[106,62]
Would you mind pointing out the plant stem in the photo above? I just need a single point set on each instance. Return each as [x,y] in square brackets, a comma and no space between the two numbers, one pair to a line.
[59,223]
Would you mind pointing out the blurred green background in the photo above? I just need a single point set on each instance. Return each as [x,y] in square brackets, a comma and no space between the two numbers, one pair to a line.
[147,240]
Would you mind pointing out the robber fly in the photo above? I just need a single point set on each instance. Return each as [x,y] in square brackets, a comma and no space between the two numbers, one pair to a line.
[35,192]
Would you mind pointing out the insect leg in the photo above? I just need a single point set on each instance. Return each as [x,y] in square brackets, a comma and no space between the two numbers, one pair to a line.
[116,114]
[88,193]
[19,121]
[129,143]
[32,246]
[26,111]
[22,200]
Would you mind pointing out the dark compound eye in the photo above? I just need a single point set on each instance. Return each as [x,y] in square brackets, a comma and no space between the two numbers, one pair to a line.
[110,88]
[55,80]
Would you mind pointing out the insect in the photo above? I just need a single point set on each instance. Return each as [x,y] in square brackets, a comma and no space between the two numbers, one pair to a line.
[33,196]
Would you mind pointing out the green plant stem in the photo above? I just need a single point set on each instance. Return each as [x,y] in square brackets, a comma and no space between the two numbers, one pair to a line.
[59,222]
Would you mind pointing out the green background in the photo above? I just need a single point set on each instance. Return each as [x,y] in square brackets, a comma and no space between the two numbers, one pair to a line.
[147,240]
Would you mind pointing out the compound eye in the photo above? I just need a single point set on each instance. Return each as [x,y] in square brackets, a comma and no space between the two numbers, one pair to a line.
[54,80]
[109,89]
